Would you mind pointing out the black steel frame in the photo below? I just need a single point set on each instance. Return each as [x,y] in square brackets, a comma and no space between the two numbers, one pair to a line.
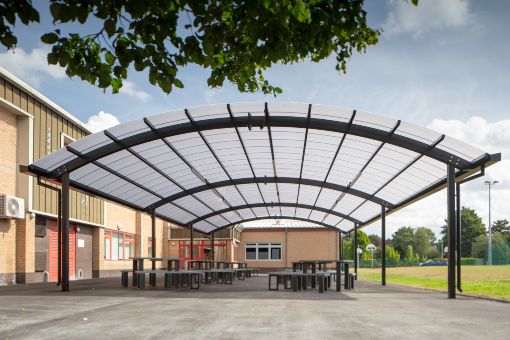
[265,180]
[283,204]
[459,170]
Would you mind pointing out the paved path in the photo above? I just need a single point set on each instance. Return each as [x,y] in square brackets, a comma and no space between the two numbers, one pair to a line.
[245,310]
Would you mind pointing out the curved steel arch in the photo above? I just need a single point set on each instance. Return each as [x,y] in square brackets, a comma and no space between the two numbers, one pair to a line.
[276,121]
[282,204]
[264,180]
[279,217]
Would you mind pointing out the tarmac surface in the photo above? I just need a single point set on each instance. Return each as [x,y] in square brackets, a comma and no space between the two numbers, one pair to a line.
[102,308]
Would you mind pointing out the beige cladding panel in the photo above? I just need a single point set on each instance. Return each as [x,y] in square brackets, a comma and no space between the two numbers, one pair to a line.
[8,143]
[48,127]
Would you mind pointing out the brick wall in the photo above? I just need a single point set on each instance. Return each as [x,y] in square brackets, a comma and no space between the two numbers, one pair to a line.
[84,254]
[317,244]
[8,140]
[25,249]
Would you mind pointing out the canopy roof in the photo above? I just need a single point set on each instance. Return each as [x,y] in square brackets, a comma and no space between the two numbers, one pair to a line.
[219,165]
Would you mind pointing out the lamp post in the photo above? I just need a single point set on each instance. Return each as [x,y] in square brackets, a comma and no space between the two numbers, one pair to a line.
[489,253]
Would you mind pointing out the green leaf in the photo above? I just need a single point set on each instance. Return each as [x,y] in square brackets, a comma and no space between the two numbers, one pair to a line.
[110,58]
[178,83]
[49,38]
[109,26]
[52,58]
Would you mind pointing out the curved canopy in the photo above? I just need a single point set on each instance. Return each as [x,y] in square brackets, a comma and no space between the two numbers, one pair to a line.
[218,165]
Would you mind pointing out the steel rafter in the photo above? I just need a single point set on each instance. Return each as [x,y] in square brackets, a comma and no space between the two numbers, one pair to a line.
[282,217]
[303,156]
[211,150]
[358,175]
[184,160]
[351,120]
[276,121]
[261,205]
[232,118]
[286,180]
[407,166]
[268,123]
[155,168]
[125,178]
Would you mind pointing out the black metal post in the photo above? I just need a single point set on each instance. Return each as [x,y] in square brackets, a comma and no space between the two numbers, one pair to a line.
[450,192]
[59,236]
[212,245]
[191,241]
[346,276]
[383,245]
[338,276]
[355,249]
[341,247]
[458,225]
[153,238]
[65,232]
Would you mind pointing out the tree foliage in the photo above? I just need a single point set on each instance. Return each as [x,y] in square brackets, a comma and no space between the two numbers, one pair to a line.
[402,238]
[375,240]
[363,241]
[235,40]
[471,227]
[500,226]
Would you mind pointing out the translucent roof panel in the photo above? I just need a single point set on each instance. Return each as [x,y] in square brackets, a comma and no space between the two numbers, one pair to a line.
[287,153]
[201,164]
[320,151]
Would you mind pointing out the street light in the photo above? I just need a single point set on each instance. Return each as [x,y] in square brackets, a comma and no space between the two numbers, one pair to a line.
[489,255]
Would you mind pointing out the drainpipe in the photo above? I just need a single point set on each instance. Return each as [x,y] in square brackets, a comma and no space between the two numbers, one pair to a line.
[286,247]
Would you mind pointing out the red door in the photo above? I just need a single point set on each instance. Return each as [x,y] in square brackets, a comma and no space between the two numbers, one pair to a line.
[53,251]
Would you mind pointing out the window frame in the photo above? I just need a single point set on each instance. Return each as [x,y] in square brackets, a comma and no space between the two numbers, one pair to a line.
[127,238]
[265,245]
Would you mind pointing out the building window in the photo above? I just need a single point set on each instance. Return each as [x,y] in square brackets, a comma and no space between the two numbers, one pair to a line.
[118,245]
[264,251]
[251,251]
[149,247]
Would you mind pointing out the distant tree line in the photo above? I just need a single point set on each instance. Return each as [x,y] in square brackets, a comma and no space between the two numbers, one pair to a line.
[420,243]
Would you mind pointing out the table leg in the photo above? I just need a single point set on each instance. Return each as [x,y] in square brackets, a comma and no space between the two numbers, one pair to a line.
[321,285]
[346,276]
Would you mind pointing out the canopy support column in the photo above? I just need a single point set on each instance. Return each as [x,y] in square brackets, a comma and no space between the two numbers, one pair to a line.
[65,232]
[59,237]
[153,238]
[383,245]
[191,241]
[450,193]
[355,250]
[458,238]
[340,246]
[212,236]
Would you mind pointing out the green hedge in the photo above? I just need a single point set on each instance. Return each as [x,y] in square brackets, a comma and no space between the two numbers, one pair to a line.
[471,261]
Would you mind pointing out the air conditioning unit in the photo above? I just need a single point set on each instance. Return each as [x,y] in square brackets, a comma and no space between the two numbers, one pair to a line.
[11,207]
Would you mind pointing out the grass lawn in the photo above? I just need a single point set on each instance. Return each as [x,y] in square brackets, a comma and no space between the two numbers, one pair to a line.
[491,281]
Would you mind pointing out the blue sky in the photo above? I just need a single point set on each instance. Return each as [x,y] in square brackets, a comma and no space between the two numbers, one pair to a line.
[445,64]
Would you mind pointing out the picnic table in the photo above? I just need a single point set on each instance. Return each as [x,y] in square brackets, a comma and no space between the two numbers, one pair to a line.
[200,264]
[138,265]
[315,265]
[298,279]
[231,264]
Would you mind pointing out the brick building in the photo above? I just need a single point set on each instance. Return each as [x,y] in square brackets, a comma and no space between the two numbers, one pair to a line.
[275,245]
[31,127]
[103,235]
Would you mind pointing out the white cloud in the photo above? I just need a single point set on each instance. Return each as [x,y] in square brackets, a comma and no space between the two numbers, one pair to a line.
[32,67]
[130,89]
[429,15]
[101,121]
[492,137]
